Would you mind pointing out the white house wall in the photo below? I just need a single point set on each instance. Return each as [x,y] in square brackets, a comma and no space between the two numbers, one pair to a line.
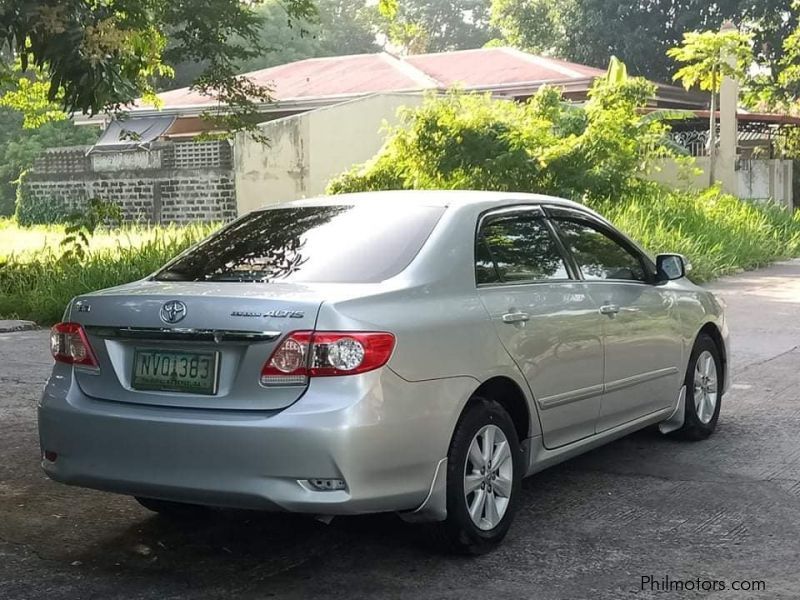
[766,179]
[306,151]
[757,179]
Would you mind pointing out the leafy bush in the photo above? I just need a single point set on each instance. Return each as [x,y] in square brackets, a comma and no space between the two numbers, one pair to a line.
[544,145]
[37,286]
[82,226]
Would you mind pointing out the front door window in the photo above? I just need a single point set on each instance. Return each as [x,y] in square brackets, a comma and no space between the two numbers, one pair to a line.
[598,255]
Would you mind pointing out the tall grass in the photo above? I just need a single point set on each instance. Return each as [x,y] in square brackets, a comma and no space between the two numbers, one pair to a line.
[718,233]
[38,285]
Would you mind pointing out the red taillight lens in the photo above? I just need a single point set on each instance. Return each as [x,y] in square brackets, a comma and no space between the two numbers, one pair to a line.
[288,364]
[304,354]
[69,344]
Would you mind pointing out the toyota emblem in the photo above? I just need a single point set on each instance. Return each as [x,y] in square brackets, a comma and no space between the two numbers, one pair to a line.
[173,311]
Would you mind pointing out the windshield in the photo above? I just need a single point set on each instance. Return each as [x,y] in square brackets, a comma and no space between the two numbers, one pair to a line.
[325,244]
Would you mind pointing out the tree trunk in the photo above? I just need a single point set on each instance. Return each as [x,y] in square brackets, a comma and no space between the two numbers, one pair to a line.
[712,132]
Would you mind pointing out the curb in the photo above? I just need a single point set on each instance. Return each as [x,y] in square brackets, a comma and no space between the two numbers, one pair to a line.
[9,326]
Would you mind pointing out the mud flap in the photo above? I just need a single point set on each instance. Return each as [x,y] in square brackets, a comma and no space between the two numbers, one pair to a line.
[675,420]
[434,507]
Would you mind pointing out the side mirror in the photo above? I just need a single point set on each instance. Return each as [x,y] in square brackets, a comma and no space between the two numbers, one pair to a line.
[671,266]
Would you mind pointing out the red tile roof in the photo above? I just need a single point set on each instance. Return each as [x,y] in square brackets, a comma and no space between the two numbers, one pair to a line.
[487,67]
[346,76]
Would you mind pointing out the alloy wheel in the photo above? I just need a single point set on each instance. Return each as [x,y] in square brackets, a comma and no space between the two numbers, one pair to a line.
[705,387]
[488,477]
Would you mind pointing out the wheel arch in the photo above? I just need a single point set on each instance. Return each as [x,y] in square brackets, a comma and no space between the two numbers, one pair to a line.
[508,393]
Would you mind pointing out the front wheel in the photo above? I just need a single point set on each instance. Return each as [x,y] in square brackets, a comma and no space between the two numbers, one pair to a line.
[703,391]
[484,472]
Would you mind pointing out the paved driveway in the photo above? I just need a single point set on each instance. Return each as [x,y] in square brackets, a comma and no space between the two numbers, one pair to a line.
[726,510]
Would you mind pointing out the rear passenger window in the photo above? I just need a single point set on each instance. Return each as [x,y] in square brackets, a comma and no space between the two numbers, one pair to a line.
[517,248]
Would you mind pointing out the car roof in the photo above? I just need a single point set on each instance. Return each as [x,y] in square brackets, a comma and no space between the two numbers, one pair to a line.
[443,198]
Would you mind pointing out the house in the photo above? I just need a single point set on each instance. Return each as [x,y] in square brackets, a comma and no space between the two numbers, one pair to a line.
[306,85]
[328,114]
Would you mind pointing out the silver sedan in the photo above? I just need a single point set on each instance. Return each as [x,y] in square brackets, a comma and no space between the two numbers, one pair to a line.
[415,352]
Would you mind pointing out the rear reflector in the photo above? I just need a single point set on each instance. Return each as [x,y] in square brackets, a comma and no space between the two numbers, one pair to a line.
[304,354]
[327,485]
[69,344]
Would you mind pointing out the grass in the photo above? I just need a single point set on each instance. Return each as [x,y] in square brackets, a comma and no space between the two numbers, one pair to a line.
[720,234]
[36,283]
[23,244]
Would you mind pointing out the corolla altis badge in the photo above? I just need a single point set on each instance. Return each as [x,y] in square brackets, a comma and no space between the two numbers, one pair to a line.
[82,306]
[270,314]
[173,311]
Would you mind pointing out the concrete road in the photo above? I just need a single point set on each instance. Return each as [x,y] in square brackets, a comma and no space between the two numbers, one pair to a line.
[724,510]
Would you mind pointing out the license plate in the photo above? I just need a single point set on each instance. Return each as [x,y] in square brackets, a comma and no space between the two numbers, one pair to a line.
[175,371]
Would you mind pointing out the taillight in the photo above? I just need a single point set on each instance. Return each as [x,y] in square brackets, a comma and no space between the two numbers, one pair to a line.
[288,364]
[304,354]
[69,344]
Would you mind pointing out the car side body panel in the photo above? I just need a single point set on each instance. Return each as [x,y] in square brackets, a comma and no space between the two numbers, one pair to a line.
[558,349]
[643,350]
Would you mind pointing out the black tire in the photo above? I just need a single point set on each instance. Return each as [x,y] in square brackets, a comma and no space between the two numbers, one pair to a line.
[694,428]
[458,533]
[173,510]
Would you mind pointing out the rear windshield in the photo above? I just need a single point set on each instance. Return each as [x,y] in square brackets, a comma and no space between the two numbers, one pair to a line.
[326,244]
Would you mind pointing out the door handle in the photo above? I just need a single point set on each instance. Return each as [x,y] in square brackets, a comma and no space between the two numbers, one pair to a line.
[609,309]
[516,317]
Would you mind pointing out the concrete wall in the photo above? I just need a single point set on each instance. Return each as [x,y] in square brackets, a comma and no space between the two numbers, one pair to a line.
[757,179]
[676,175]
[768,178]
[306,151]
[266,174]
[174,182]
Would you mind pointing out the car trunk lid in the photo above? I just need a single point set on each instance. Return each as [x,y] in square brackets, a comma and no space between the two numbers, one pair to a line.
[231,328]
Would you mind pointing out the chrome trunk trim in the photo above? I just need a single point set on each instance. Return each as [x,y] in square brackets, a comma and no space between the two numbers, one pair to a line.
[182,334]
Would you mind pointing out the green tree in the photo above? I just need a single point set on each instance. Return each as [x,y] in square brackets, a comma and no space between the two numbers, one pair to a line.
[788,78]
[19,147]
[639,31]
[419,26]
[343,27]
[99,56]
[707,57]
[779,87]
[533,25]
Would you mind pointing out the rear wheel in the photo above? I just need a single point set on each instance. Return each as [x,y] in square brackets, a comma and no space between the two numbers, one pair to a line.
[703,391]
[174,510]
[484,471]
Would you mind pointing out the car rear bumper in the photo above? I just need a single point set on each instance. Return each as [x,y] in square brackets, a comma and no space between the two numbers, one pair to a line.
[382,435]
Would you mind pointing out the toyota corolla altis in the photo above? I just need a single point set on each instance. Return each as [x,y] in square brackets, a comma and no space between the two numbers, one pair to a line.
[416,352]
